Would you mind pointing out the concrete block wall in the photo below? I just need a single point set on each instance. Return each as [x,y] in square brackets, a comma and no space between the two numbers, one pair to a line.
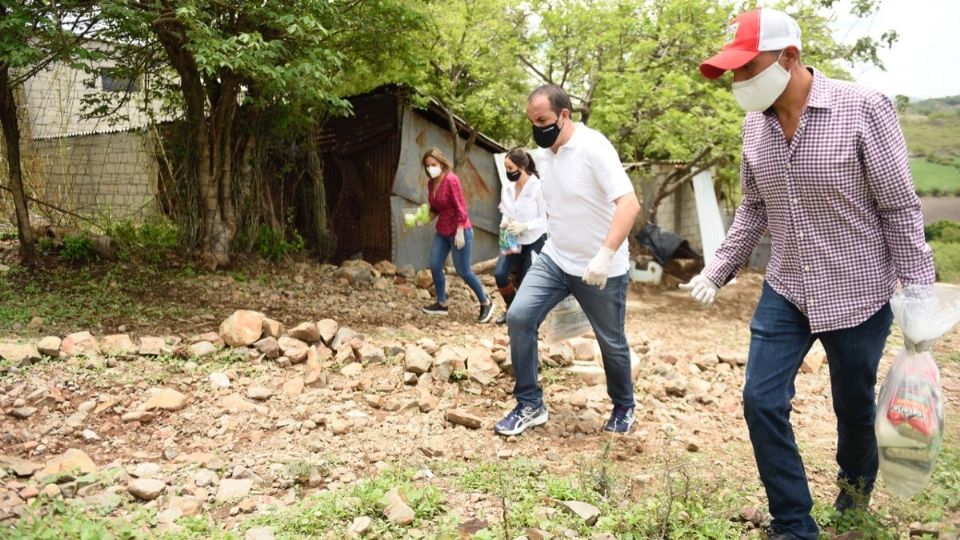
[111,175]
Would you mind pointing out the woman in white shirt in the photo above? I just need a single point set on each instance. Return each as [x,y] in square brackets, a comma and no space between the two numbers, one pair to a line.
[525,217]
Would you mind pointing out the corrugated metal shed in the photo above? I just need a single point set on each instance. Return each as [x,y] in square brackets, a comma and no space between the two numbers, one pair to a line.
[372,174]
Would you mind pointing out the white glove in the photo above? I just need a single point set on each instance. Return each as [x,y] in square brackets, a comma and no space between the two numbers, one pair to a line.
[701,289]
[516,228]
[599,268]
[459,240]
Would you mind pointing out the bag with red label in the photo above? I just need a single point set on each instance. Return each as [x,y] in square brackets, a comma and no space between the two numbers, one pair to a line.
[909,423]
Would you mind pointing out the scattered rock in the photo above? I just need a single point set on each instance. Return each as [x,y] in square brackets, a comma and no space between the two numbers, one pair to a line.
[328,330]
[49,346]
[89,435]
[23,413]
[306,332]
[202,348]
[71,460]
[481,367]
[360,526]
[293,348]
[21,467]
[587,512]
[272,328]
[146,489]
[812,362]
[117,345]
[259,533]
[259,393]
[152,346]
[356,274]
[19,353]
[268,347]
[205,477]
[231,488]
[471,527]
[396,509]
[386,268]
[352,369]
[242,328]
[234,402]
[732,358]
[219,380]
[339,426]
[416,360]
[137,416]
[36,323]
[371,354]
[423,279]
[188,506]
[461,417]
[51,491]
[80,344]
[166,399]
[293,387]
[407,271]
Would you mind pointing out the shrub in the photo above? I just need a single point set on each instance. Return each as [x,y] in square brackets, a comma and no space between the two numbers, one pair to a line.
[77,249]
[149,240]
[943,231]
[273,245]
[946,258]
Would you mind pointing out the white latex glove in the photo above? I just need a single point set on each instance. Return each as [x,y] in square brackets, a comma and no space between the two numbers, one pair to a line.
[701,289]
[599,268]
[516,228]
[459,240]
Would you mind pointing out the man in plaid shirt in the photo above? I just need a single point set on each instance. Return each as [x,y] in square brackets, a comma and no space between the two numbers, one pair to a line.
[824,169]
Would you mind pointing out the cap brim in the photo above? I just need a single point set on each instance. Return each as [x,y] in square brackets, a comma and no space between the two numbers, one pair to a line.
[727,59]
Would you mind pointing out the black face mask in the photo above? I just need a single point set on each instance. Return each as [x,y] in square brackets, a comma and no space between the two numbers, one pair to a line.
[545,136]
[513,176]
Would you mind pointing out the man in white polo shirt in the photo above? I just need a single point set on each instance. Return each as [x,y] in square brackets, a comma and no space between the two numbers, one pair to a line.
[591,206]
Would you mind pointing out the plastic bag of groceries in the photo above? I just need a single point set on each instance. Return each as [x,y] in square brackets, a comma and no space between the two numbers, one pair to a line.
[909,424]
[509,244]
[567,320]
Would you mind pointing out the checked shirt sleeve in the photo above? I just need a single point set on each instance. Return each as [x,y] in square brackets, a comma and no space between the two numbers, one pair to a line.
[749,223]
[888,175]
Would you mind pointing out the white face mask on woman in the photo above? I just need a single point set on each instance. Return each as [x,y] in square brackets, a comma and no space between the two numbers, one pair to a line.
[434,171]
[759,93]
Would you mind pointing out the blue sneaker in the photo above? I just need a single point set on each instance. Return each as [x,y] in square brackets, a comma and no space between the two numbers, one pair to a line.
[621,419]
[520,418]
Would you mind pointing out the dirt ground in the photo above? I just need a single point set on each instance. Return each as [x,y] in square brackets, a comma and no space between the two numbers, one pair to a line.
[362,423]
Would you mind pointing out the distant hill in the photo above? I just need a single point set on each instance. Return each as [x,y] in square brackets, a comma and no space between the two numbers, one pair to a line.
[928,106]
[932,130]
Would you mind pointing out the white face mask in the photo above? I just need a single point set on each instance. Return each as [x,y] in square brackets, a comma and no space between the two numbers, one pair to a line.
[434,171]
[759,93]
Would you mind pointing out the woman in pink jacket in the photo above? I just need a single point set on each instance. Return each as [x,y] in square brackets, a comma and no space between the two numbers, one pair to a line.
[454,232]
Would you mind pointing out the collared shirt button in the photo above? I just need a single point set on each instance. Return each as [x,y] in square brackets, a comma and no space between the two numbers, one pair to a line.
[800,234]
[806,268]
[789,165]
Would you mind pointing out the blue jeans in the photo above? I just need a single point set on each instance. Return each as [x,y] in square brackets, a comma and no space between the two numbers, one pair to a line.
[543,288]
[780,338]
[442,245]
[506,264]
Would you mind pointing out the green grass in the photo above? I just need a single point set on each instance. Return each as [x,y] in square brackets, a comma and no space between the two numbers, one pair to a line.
[83,298]
[933,178]
[946,258]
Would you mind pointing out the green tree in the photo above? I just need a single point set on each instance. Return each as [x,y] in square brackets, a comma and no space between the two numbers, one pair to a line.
[632,70]
[471,66]
[233,63]
[33,35]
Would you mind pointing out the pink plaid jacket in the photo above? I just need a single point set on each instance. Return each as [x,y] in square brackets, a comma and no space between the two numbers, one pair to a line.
[839,203]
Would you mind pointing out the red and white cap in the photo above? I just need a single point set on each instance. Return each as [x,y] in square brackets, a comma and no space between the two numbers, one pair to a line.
[751,33]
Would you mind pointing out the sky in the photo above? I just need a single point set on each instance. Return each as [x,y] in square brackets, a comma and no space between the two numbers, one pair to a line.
[925,62]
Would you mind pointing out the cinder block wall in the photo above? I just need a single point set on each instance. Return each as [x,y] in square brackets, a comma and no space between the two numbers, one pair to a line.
[112,175]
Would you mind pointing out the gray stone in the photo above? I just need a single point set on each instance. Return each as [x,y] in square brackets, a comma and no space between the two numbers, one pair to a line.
[146,489]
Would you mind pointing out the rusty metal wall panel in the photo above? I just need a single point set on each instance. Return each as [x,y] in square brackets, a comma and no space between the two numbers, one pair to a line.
[481,186]
[360,159]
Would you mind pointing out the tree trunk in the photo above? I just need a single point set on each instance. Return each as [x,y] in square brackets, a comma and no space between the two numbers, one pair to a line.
[326,238]
[11,136]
